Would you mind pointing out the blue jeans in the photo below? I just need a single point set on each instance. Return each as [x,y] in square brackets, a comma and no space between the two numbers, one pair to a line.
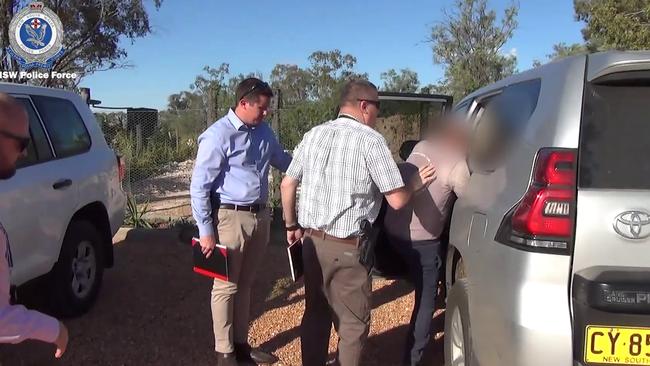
[423,261]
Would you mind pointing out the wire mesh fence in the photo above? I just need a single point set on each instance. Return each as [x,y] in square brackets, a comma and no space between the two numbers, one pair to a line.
[159,147]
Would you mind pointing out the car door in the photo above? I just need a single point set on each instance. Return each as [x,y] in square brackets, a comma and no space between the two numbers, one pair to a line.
[404,119]
[36,204]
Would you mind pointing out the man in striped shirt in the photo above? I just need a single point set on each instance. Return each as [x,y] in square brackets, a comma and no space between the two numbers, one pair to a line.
[346,169]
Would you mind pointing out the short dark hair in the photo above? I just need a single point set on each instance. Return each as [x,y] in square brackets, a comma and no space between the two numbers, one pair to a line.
[357,89]
[250,89]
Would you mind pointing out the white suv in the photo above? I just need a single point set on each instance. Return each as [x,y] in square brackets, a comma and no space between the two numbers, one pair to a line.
[65,202]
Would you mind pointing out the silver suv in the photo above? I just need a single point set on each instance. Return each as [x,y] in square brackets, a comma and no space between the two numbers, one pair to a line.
[549,256]
[65,202]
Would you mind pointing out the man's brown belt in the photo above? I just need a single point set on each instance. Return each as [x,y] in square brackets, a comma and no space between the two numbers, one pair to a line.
[352,240]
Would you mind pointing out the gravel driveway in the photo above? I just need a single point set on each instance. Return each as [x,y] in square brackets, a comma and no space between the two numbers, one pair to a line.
[153,310]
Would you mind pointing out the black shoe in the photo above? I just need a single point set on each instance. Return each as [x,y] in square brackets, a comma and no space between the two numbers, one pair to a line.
[245,353]
[226,359]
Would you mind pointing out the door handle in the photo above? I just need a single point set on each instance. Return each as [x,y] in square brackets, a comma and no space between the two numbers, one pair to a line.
[63,183]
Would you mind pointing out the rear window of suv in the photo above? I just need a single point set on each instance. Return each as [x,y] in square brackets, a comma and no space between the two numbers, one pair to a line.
[65,126]
[615,133]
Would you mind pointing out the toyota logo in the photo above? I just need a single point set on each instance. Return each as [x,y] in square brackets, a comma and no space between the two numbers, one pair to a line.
[633,224]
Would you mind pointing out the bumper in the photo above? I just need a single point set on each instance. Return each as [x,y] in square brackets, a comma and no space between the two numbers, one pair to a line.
[117,210]
[610,297]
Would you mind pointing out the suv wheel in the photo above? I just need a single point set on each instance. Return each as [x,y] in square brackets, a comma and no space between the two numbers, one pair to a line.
[77,275]
[458,341]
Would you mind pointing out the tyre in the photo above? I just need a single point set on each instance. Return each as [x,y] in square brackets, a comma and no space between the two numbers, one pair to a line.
[77,276]
[458,339]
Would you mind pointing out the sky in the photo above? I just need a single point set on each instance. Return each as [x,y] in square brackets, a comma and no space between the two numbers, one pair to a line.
[254,36]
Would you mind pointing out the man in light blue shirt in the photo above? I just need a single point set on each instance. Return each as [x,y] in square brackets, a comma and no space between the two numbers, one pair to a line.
[229,191]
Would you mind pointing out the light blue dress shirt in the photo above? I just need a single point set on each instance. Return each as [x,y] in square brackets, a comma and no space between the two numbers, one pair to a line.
[232,165]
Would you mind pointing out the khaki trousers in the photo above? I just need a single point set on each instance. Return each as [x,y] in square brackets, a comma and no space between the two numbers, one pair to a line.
[337,290]
[246,235]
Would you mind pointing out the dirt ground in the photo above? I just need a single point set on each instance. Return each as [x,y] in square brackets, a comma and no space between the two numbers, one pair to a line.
[153,310]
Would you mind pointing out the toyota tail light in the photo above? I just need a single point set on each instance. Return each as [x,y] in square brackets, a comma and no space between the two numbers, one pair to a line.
[543,219]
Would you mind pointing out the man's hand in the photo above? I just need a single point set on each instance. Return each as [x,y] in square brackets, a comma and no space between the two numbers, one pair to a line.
[208,243]
[61,341]
[425,176]
[293,235]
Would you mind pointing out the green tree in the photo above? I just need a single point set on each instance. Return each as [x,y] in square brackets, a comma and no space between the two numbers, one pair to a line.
[562,50]
[433,89]
[328,71]
[310,96]
[212,78]
[469,44]
[615,24]
[406,81]
[293,81]
[186,113]
[93,31]
[609,25]
[183,101]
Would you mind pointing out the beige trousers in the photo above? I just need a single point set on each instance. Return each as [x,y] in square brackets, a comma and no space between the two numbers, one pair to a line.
[246,236]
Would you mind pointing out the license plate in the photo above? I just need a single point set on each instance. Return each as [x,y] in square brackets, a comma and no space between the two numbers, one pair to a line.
[617,345]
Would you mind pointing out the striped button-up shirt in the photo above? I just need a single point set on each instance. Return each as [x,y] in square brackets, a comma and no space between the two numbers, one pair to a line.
[344,167]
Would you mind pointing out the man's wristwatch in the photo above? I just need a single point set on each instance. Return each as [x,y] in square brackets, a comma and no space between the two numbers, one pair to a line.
[293,227]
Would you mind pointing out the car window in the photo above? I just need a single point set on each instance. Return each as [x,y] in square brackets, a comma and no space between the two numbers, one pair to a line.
[65,126]
[39,148]
[499,120]
[614,133]
[462,109]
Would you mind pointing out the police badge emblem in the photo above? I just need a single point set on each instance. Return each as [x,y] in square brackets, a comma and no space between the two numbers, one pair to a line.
[36,37]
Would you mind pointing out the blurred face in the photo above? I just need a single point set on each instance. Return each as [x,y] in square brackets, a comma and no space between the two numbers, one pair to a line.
[253,113]
[458,136]
[14,138]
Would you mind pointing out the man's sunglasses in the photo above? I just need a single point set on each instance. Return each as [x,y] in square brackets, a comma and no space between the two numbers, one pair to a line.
[260,85]
[23,141]
[376,103]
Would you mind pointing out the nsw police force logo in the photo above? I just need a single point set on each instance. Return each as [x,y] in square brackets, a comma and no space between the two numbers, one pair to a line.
[36,37]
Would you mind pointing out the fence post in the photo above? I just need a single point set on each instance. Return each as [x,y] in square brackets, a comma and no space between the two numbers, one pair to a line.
[275,125]
[138,138]
[178,142]
[85,95]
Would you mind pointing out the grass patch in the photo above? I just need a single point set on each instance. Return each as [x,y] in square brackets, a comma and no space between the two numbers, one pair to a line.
[280,288]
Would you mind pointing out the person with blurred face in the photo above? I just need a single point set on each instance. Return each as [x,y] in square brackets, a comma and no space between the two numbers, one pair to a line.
[229,191]
[415,230]
[16,322]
